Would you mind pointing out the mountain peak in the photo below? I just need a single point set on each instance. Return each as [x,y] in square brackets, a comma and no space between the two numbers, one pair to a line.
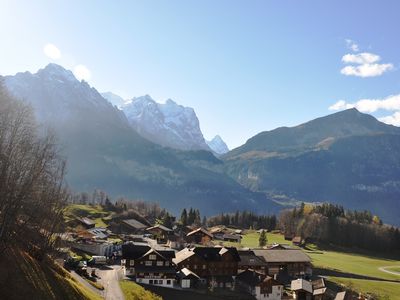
[53,70]
[218,145]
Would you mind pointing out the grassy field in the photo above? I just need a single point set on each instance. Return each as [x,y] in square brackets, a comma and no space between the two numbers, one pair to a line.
[250,239]
[358,271]
[95,212]
[133,291]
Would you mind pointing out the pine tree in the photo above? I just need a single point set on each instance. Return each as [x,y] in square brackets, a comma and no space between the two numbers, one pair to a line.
[262,241]
[184,217]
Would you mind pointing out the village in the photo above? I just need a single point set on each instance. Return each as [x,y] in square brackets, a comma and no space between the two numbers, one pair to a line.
[192,258]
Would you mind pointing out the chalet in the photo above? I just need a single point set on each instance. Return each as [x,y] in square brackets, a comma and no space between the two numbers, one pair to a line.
[188,279]
[248,260]
[319,289]
[199,236]
[234,238]
[160,233]
[155,267]
[82,223]
[131,226]
[259,285]
[217,265]
[298,241]
[131,252]
[292,262]
[302,289]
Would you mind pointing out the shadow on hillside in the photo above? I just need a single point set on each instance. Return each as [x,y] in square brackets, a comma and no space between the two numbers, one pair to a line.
[357,251]
[337,273]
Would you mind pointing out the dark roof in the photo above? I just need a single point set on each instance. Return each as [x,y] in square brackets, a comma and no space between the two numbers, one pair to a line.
[288,255]
[134,250]
[248,258]
[159,226]
[250,277]
[206,253]
[134,224]
[166,254]
[202,230]
[232,236]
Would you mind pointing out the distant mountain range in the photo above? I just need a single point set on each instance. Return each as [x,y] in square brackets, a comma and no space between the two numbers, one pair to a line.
[105,152]
[152,151]
[348,158]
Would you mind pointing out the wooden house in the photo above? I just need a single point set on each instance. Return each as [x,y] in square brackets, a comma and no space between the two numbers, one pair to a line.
[156,267]
[160,233]
[216,265]
[259,285]
[248,260]
[293,262]
[199,236]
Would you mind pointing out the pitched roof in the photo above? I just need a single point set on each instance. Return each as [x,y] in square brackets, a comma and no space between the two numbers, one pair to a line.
[206,253]
[287,255]
[86,221]
[184,273]
[134,224]
[134,250]
[160,226]
[248,258]
[301,284]
[200,229]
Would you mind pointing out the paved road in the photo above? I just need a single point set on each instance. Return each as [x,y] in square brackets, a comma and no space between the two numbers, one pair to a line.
[383,269]
[109,278]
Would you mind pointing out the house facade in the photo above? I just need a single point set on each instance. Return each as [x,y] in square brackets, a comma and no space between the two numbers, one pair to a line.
[199,236]
[259,285]
[156,267]
[217,266]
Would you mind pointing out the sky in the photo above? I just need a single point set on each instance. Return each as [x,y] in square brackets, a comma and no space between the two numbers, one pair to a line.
[244,66]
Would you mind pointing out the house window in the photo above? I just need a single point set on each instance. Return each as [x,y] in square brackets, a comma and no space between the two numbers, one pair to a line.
[131,263]
[168,281]
[152,257]
[204,267]
[160,263]
[195,267]
[167,263]
[148,263]
[151,281]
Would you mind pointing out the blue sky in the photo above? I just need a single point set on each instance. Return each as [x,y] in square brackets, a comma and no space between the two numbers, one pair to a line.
[244,66]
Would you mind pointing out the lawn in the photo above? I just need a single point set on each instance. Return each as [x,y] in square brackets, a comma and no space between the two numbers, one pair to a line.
[250,239]
[133,291]
[95,212]
[348,268]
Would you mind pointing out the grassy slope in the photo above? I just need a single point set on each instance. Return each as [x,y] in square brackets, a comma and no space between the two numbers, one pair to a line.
[345,265]
[97,213]
[22,277]
[133,291]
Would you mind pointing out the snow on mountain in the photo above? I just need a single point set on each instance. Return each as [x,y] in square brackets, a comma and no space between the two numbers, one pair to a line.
[168,124]
[114,99]
[57,96]
[218,145]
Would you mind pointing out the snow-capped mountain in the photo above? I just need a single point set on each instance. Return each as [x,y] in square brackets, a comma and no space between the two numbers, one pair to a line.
[114,99]
[218,145]
[57,96]
[168,124]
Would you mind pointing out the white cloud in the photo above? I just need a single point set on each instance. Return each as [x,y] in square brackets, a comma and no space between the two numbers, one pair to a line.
[366,70]
[361,58]
[81,72]
[352,45]
[391,103]
[393,119]
[51,51]
[340,105]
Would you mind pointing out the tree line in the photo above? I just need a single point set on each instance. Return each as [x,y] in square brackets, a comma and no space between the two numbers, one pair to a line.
[32,188]
[332,224]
